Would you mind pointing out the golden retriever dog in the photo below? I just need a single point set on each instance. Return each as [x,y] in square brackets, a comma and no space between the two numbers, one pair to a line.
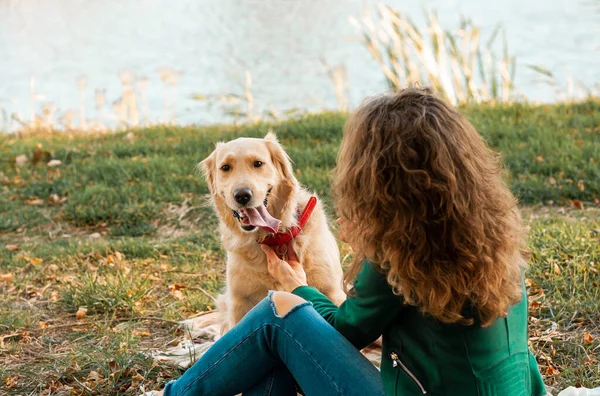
[255,194]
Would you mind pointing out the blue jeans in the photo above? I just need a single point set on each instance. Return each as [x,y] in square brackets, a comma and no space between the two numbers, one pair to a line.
[268,354]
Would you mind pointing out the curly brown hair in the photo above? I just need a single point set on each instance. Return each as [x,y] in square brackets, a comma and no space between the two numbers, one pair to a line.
[430,207]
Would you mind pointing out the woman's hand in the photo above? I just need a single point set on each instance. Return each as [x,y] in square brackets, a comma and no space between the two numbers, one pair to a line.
[289,272]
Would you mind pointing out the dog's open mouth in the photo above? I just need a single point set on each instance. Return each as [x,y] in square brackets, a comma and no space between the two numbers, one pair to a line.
[250,218]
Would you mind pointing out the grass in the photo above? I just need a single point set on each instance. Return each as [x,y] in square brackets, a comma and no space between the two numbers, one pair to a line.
[564,290]
[121,229]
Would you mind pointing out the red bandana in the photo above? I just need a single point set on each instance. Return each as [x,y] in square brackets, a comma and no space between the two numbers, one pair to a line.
[281,238]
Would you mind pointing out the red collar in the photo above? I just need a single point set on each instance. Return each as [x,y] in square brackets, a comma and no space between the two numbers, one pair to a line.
[281,238]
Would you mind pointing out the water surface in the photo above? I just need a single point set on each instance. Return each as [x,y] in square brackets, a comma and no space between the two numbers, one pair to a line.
[281,42]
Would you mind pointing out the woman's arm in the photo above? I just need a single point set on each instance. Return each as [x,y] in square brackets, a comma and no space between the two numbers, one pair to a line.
[362,318]
[365,315]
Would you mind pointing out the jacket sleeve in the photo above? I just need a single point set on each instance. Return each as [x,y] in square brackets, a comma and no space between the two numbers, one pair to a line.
[363,317]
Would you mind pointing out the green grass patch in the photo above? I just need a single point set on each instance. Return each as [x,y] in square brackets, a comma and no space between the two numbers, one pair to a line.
[118,293]
[121,228]
[564,289]
[551,152]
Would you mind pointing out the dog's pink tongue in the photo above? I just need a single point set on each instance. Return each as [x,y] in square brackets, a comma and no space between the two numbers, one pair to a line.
[260,217]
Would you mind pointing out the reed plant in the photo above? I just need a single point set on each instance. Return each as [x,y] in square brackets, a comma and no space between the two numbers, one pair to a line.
[240,108]
[339,78]
[130,110]
[458,64]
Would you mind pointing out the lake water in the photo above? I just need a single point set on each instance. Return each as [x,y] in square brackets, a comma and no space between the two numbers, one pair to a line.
[280,42]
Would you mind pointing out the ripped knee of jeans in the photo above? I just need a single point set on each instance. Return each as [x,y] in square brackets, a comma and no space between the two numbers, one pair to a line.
[284,303]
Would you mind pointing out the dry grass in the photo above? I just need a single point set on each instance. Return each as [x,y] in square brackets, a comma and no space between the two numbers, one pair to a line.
[564,294]
[458,64]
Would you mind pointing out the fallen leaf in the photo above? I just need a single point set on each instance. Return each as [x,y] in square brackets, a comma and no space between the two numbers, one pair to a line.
[36,260]
[42,325]
[53,163]
[587,338]
[12,248]
[11,381]
[54,199]
[141,333]
[552,181]
[21,160]
[137,377]
[177,294]
[94,376]
[539,159]
[6,277]
[580,185]
[54,296]
[34,201]
[175,287]
[590,360]
[534,307]
[114,366]
[81,312]
[52,387]
[551,370]
[25,338]
[576,203]
[165,267]
[596,201]
[38,155]
[530,283]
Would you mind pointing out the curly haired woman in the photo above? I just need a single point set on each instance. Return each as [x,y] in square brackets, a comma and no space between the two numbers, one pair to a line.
[437,272]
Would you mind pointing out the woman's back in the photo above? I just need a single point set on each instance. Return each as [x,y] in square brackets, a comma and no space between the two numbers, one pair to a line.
[422,355]
[461,360]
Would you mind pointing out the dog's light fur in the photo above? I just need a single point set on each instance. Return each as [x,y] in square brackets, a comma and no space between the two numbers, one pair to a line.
[248,280]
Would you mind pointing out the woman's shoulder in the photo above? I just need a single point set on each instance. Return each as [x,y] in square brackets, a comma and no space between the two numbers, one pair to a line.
[371,274]
[371,268]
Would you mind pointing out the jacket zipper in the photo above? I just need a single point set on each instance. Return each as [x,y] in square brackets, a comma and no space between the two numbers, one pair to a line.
[397,362]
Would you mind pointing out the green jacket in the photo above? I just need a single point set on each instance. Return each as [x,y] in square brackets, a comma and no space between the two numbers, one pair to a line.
[422,355]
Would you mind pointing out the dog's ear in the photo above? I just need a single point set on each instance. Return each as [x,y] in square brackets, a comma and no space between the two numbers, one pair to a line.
[208,169]
[271,137]
[280,158]
[280,203]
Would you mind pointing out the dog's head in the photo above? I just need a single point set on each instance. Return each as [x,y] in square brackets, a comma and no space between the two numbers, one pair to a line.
[249,176]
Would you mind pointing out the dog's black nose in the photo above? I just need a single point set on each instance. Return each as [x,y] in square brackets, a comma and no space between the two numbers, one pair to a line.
[242,195]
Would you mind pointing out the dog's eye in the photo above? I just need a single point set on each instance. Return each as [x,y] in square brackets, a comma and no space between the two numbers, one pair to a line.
[225,168]
[257,164]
